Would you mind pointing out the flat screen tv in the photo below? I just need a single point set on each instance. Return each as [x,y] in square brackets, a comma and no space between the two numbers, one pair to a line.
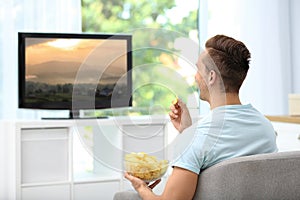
[74,71]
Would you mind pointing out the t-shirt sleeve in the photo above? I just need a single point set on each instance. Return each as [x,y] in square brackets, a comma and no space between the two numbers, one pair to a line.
[192,158]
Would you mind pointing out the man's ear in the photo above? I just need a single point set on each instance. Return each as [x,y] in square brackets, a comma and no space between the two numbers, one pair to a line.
[212,77]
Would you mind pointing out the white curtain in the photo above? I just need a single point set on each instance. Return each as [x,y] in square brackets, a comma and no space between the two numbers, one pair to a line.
[269,30]
[35,16]
[15,16]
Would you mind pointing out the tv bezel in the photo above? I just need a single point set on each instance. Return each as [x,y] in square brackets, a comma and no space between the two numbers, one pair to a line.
[66,105]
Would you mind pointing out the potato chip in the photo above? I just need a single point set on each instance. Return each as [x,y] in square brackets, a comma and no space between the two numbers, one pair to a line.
[175,103]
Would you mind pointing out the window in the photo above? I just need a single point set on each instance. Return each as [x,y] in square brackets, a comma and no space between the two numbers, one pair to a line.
[163,53]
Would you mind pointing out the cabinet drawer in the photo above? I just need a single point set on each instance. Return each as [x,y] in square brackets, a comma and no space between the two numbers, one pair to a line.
[95,191]
[44,155]
[55,192]
[44,134]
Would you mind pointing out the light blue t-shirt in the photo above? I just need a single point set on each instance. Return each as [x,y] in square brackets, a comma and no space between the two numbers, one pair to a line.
[226,132]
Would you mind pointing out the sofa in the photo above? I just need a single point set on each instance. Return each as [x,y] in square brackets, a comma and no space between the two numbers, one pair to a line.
[264,176]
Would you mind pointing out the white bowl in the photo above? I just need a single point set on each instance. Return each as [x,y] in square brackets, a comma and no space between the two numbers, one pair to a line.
[148,169]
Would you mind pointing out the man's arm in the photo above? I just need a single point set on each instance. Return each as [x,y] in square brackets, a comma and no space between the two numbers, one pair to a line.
[181,185]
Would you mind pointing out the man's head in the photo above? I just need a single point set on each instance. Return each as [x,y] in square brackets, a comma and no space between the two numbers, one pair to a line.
[225,62]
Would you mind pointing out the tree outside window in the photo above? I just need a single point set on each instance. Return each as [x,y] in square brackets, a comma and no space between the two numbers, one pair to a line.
[159,28]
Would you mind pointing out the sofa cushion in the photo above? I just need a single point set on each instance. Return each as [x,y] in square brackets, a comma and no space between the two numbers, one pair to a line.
[263,176]
[127,195]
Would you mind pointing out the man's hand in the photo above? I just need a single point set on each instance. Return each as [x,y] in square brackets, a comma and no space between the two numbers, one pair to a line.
[181,185]
[137,183]
[180,116]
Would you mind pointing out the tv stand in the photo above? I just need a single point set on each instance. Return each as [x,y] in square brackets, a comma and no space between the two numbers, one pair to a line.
[74,114]
[43,154]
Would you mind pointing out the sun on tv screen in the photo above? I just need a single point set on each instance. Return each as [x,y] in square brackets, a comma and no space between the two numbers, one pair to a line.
[74,71]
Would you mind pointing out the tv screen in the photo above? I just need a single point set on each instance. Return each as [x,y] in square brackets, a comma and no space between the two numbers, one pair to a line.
[74,71]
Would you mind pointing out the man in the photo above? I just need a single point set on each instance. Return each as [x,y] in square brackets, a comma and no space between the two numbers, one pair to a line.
[229,130]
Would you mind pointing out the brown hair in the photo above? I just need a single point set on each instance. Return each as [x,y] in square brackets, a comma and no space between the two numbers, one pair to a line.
[231,57]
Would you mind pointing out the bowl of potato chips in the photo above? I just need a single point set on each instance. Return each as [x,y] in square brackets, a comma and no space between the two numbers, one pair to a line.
[146,167]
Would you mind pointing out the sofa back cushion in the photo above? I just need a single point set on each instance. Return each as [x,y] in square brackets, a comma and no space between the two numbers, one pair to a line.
[263,176]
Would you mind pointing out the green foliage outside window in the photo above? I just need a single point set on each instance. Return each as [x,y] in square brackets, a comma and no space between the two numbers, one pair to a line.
[156,77]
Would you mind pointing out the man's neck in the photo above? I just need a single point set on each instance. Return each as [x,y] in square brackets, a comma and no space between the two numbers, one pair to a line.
[224,99]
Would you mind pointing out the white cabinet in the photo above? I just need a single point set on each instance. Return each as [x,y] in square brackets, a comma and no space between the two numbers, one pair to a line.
[288,136]
[44,168]
[49,163]
[288,132]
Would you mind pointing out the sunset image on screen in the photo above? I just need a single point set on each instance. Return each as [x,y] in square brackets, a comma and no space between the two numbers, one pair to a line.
[59,60]
[54,66]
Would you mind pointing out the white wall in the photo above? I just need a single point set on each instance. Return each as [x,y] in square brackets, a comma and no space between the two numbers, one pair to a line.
[270,29]
[295,39]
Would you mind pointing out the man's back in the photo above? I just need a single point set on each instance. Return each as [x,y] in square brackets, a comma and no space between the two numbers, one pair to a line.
[227,132]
